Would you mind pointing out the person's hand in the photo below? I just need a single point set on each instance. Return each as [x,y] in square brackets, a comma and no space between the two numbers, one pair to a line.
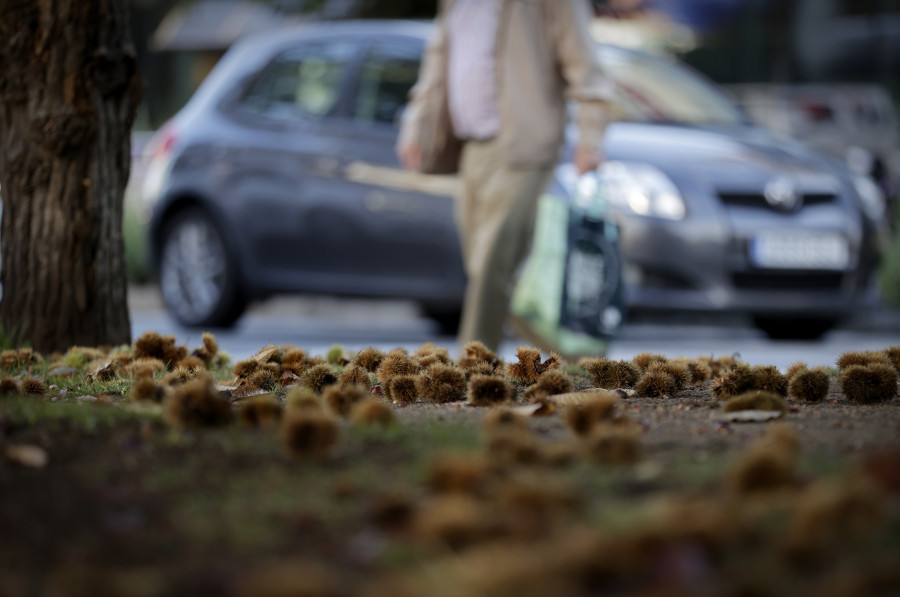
[410,155]
[587,159]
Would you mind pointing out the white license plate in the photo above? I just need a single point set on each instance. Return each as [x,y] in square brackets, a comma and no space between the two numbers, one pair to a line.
[800,250]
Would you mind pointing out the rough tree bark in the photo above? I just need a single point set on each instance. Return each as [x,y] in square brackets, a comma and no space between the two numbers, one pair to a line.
[69,91]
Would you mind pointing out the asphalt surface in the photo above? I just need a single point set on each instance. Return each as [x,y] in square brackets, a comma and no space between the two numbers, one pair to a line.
[317,323]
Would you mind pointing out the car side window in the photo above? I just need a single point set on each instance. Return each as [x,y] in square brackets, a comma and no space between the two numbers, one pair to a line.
[306,81]
[385,79]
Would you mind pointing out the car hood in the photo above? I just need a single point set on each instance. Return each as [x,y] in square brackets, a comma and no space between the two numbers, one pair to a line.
[740,156]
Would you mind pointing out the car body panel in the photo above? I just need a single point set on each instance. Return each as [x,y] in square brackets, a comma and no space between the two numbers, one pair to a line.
[321,205]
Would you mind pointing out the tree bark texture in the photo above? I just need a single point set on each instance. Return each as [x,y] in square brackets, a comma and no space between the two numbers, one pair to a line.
[69,90]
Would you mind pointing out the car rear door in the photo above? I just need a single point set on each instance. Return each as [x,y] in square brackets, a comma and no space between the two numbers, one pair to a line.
[289,197]
[406,222]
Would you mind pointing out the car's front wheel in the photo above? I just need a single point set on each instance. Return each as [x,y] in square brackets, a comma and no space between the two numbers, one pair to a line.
[197,276]
[795,328]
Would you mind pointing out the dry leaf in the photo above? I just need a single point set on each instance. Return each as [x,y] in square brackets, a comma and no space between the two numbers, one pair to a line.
[752,416]
[575,398]
[104,372]
[527,410]
[265,354]
[27,455]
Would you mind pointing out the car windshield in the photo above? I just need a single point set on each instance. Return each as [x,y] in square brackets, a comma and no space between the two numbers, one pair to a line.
[651,89]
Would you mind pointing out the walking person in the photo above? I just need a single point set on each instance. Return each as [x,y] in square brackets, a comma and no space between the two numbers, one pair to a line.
[491,102]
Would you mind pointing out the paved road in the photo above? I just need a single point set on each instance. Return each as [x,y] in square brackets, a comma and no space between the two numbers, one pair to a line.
[316,324]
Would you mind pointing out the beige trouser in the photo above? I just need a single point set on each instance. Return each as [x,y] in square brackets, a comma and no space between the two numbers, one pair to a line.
[495,212]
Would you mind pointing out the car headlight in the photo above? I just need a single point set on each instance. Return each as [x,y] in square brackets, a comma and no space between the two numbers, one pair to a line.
[642,189]
[870,196]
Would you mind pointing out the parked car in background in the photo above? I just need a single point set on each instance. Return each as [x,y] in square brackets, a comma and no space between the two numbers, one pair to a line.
[280,176]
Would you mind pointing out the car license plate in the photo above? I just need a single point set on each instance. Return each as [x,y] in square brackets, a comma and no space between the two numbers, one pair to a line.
[800,250]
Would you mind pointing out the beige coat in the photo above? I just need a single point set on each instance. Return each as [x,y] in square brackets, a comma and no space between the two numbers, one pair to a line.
[545,56]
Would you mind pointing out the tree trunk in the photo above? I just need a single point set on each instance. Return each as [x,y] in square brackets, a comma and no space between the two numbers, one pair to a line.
[69,90]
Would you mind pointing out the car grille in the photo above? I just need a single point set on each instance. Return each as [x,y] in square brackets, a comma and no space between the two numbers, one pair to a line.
[788,280]
[758,200]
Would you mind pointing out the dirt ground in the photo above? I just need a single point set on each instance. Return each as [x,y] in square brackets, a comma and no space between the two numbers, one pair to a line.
[128,504]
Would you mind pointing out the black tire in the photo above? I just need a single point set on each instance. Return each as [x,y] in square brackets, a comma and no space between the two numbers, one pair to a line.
[198,276]
[795,328]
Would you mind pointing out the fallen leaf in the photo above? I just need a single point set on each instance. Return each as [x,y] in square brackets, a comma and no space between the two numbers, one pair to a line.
[527,410]
[27,455]
[752,416]
[573,398]
[265,354]
[104,372]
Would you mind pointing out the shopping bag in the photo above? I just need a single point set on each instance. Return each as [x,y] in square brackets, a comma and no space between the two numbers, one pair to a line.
[569,297]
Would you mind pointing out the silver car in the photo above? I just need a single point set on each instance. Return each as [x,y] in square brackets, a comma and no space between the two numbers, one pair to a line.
[280,176]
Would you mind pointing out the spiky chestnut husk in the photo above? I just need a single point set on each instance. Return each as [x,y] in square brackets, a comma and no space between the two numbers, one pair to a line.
[529,366]
[149,345]
[737,381]
[645,359]
[318,377]
[245,368]
[260,411]
[473,367]
[722,365]
[768,378]
[368,358]
[210,344]
[372,411]
[614,444]
[355,376]
[810,385]
[796,368]
[767,464]
[295,361]
[341,399]
[513,447]
[8,386]
[678,370]
[609,374]
[197,404]
[477,351]
[441,383]
[869,384]
[308,433]
[402,389]
[501,420]
[145,367]
[32,386]
[147,390]
[181,375]
[893,353]
[581,418]
[550,383]
[303,399]
[830,514]
[456,521]
[656,382]
[755,400]
[761,468]
[488,390]
[863,357]
[430,349]
[264,379]
[455,473]
[535,504]
[191,362]
[395,363]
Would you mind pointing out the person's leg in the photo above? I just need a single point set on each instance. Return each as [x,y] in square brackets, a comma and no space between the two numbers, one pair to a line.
[500,225]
